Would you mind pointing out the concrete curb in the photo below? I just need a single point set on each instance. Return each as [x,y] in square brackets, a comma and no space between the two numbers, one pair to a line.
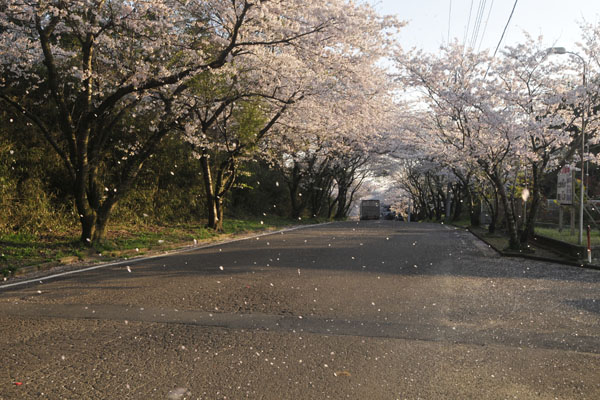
[534,257]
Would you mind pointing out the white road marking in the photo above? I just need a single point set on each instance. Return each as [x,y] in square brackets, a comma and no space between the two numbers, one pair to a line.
[140,259]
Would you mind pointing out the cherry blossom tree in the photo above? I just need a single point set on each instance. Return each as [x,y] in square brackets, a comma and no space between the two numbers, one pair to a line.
[328,155]
[227,116]
[536,91]
[498,117]
[466,123]
[305,94]
[112,72]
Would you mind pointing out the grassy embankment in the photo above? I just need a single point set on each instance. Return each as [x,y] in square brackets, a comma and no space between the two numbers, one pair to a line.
[566,235]
[500,240]
[62,246]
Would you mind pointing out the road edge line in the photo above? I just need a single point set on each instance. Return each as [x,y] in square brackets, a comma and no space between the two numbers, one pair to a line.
[166,254]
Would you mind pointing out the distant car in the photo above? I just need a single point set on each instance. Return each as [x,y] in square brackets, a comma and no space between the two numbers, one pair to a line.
[388,215]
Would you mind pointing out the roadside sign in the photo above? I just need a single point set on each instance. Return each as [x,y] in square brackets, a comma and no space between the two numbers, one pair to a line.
[564,189]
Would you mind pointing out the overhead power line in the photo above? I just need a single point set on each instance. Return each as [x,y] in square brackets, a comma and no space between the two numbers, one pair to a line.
[473,29]
[486,25]
[468,26]
[505,27]
[449,19]
[477,25]
[502,37]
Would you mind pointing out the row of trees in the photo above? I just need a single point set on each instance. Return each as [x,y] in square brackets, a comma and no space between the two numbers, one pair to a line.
[105,84]
[112,99]
[486,125]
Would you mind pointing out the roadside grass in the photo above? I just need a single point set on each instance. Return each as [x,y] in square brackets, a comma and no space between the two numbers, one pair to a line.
[500,240]
[57,247]
[552,233]
[566,235]
[496,240]
[462,223]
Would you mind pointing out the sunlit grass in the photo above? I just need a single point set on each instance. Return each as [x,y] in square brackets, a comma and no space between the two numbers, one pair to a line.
[122,240]
[566,235]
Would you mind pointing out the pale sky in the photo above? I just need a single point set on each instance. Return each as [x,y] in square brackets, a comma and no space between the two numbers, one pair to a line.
[556,20]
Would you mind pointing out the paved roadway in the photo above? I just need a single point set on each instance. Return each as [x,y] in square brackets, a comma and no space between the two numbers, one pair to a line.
[358,310]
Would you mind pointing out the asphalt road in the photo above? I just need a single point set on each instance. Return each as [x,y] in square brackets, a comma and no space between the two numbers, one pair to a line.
[358,310]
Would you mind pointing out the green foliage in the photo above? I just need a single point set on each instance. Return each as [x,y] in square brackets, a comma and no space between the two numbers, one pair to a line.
[209,84]
[260,190]
[250,119]
[165,208]
[32,199]
[169,190]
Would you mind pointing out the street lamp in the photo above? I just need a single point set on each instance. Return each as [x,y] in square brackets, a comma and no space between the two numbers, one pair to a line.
[562,50]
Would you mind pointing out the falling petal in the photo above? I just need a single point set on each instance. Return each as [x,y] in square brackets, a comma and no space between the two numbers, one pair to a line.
[178,393]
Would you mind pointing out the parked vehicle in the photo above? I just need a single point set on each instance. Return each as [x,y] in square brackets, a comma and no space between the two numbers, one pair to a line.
[370,209]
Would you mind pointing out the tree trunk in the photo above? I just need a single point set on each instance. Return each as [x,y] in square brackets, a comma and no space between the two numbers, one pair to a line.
[296,203]
[341,202]
[474,208]
[103,215]
[493,207]
[212,212]
[536,200]
[331,207]
[220,210]
[88,225]
[457,203]
[513,235]
[100,229]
